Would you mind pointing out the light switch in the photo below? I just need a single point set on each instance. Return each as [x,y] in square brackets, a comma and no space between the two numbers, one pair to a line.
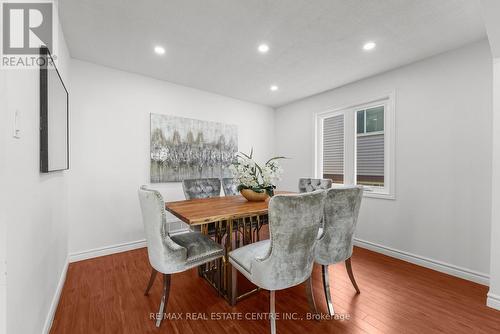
[17,125]
[3,272]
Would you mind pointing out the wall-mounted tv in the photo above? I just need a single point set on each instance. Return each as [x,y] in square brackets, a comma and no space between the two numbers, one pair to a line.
[54,116]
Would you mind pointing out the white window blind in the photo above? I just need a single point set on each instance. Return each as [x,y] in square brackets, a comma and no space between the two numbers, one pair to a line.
[333,148]
[370,160]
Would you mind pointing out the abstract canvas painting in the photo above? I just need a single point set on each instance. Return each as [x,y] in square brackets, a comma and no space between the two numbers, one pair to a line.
[184,148]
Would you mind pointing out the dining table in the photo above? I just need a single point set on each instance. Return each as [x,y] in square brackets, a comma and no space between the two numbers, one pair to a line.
[231,221]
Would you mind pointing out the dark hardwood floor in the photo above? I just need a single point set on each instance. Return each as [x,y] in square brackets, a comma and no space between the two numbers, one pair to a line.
[105,295]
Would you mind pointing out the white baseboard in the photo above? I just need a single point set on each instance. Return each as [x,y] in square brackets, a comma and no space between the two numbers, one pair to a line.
[443,267]
[175,227]
[107,250]
[55,299]
[493,301]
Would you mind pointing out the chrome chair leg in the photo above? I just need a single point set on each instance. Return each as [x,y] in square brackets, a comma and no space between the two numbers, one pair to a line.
[348,267]
[272,311]
[151,281]
[326,287]
[310,295]
[164,299]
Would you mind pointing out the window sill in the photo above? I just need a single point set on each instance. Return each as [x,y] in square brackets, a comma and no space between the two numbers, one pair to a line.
[370,192]
[375,194]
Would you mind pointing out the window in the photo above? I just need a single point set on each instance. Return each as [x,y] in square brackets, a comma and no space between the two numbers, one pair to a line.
[370,120]
[370,146]
[333,148]
[355,145]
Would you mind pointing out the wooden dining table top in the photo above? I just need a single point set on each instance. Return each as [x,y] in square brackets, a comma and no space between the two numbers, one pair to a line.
[205,210]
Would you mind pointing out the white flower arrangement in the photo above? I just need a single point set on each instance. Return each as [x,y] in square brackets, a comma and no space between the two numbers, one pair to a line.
[252,176]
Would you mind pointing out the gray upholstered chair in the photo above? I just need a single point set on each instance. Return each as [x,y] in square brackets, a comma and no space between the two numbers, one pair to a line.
[307,184]
[286,259]
[336,236]
[170,254]
[201,188]
[230,186]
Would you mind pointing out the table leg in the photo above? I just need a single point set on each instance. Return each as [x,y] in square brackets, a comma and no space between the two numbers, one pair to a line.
[228,267]
[221,274]
[237,234]
[202,268]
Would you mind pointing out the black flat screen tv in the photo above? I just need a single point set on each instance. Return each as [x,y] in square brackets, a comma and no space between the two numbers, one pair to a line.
[54,116]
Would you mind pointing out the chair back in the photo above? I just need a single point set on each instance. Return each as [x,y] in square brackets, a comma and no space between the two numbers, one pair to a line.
[294,221]
[164,254]
[230,186]
[307,184]
[339,224]
[201,188]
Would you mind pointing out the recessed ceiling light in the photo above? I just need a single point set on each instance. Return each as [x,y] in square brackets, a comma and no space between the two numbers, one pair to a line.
[159,50]
[263,48]
[273,88]
[369,46]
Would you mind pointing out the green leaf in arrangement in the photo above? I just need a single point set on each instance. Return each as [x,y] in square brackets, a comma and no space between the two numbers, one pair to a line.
[275,158]
[243,154]
[258,167]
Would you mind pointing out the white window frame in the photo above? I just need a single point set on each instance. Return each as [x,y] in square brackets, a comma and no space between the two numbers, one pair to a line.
[388,191]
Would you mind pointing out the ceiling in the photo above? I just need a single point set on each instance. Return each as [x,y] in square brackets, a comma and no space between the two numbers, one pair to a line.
[314,45]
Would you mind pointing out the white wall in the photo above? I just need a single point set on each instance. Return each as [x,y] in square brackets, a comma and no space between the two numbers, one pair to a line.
[443,157]
[110,146]
[35,208]
[494,293]
[3,223]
